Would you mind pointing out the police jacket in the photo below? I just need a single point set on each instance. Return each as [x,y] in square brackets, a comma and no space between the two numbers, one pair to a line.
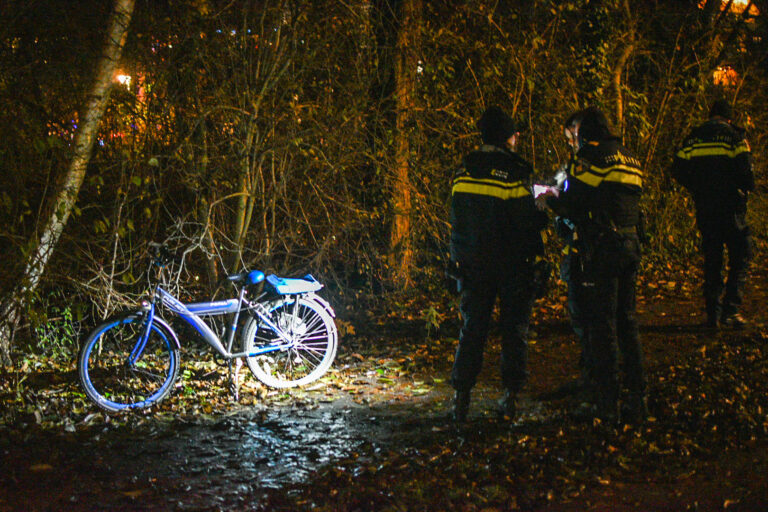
[494,220]
[715,165]
[602,192]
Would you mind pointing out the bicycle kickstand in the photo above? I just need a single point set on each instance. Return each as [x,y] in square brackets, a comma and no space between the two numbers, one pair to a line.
[234,386]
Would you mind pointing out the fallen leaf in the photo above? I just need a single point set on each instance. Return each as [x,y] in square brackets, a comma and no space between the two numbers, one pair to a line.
[133,494]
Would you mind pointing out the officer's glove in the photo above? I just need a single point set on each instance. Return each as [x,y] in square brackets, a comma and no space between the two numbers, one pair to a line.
[542,273]
[453,277]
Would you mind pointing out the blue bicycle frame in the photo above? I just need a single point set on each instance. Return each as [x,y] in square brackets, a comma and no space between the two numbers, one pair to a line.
[193,313]
[287,338]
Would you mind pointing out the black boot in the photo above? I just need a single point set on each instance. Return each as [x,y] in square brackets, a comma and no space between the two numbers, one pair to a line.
[733,320]
[461,405]
[635,409]
[508,404]
[714,313]
[711,323]
[607,409]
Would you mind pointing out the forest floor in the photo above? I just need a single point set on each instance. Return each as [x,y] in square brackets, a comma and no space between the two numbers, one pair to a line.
[373,434]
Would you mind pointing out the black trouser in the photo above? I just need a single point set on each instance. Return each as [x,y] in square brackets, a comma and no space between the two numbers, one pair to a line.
[608,290]
[571,274]
[480,287]
[732,232]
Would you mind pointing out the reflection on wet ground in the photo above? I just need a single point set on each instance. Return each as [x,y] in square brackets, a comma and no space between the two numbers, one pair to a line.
[234,458]
[209,465]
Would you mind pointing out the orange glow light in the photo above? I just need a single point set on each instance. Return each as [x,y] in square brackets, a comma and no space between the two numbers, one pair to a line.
[737,7]
[725,75]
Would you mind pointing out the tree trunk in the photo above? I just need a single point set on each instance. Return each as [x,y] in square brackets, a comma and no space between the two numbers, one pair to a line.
[204,216]
[617,72]
[621,65]
[406,62]
[65,199]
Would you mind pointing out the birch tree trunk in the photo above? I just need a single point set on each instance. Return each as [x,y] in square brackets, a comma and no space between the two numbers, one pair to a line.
[406,62]
[69,187]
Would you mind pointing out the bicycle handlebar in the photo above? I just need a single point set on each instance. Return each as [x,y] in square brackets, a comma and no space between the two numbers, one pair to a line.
[160,253]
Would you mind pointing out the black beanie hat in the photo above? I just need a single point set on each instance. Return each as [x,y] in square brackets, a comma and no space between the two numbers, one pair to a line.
[594,124]
[496,127]
[721,108]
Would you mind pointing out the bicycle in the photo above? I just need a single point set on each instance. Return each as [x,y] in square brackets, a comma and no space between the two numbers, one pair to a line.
[289,338]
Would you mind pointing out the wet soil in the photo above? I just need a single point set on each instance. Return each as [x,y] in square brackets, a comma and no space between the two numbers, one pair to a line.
[374,435]
[225,463]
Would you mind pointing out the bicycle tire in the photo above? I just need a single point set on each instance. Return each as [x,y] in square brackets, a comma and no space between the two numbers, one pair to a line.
[105,375]
[315,349]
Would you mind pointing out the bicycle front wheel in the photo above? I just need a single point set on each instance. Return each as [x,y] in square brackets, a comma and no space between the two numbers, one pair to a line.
[308,355]
[115,383]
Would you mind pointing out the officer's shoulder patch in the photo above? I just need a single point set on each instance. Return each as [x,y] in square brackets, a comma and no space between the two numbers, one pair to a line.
[690,141]
[498,173]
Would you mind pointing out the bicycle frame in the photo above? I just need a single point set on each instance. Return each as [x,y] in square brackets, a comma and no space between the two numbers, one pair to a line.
[193,313]
[132,359]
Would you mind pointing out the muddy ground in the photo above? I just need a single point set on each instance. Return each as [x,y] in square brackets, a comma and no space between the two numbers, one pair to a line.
[373,434]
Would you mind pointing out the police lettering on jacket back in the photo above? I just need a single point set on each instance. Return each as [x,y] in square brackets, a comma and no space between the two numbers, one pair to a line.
[492,212]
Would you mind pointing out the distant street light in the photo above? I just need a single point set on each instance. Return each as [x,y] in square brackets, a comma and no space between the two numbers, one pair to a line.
[124,80]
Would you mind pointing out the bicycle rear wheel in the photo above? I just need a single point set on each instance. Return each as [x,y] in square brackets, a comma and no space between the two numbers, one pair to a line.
[312,351]
[115,384]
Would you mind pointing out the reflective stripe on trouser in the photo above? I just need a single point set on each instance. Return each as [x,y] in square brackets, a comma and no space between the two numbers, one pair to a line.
[479,294]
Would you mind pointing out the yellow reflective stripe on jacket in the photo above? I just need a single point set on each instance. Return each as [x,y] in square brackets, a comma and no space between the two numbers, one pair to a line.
[623,174]
[713,149]
[493,188]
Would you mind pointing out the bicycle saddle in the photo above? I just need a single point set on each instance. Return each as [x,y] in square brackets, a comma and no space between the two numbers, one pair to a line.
[252,277]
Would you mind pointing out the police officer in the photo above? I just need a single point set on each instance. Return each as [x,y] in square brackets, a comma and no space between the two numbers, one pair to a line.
[570,266]
[601,197]
[495,239]
[715,165]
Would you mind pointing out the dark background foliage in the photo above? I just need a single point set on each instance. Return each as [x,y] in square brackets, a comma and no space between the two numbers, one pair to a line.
[263,133]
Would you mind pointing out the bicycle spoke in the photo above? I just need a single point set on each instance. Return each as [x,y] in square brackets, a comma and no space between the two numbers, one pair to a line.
[306,355]
[315,322]
[312,347]
[108,379]
[319,339]
[154,376]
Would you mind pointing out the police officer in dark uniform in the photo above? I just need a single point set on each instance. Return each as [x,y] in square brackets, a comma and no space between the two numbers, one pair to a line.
[602,197]
[495,242]
[571,268]
[715,165]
